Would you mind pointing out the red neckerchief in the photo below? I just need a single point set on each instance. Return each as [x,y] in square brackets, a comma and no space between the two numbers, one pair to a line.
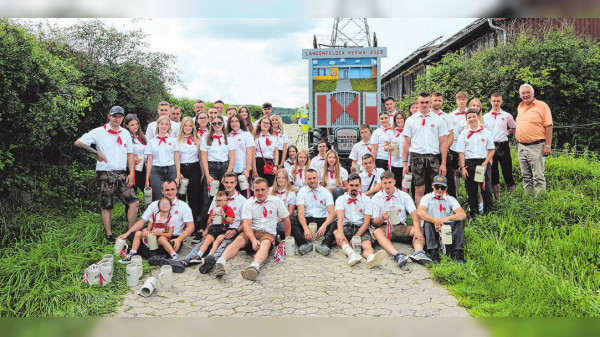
[190,140]
[460,113]
[495,114]
[424,116]
[352,201]
[276,133]
[399,132]
[368,147]
[331,173]
[389,197]
[201,132]
[385,129]
[234,196]
[267,141]
[264,208]
[299,171]
[233,134]
[439,198]
[370,174]
[471,132]
[290,162]
[139,140]
[113,132]
[162,140]
[218,138]
[314,192]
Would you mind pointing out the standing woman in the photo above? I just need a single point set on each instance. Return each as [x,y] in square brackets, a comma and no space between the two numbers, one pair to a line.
[266,150]
[475,148]
[245,113]
[378,150]
[244,147]
[298,171]
[163,158]
[132,123]
[476,105]
[216,152]
[190,166]
[334,176]
[292,153]
[282,138]
[396,137]
[202,125]
[413,108]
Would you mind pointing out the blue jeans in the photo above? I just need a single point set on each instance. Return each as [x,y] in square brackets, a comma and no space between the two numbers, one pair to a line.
[158,175]
[217,253]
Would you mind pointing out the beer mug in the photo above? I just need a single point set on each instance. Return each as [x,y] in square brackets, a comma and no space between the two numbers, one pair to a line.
[290,246]
[140,166]
[148,288]
[106,270]
[183,186]
[296,188]
[313,227]
[134,272]
[356,244]
[120,244]
[148,195]
[92,273]
[214,187]
[393,214]
[152,241]
[217,219]
[243,182]
[395,150]
[110,258]
[166,276]
[407,181]
[479,174]
[446,234]
[356,168]
[137,259]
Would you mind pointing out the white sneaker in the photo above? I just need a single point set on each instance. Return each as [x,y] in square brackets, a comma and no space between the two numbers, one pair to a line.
[354,259]
[375,259]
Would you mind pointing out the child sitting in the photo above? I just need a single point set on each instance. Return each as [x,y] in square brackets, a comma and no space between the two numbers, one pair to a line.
[161,226]
[215,233]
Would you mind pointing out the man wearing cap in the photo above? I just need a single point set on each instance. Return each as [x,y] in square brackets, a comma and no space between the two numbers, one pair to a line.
[534,134]
[436,209]
[114,154]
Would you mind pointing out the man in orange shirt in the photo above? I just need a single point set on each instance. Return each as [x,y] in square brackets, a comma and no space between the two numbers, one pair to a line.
[534,134]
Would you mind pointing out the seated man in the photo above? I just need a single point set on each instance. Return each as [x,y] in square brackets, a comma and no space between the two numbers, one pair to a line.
[181,215]
[370,176]
[385,232]
[236,202]
[438,208]
[315,204]
[353,210]
[259,223]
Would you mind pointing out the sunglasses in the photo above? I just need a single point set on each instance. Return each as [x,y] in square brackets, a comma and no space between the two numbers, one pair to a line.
[439,187]
[130,116]
[217,123]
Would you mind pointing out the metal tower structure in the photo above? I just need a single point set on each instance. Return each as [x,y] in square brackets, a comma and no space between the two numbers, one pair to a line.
[350,33]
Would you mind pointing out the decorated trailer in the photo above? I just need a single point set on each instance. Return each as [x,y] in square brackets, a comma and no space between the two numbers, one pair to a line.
[344,92]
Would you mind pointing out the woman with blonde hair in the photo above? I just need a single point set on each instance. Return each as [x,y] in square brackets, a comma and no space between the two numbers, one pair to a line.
[476,105]
[298,170]
[333,176]
[189,162]
[163,158]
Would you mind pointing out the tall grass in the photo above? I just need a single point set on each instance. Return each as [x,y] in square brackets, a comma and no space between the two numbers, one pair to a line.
[40,271]
[535,256]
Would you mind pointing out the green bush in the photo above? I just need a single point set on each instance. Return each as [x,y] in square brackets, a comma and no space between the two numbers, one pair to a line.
[364,84]
[535,257]
[324,85]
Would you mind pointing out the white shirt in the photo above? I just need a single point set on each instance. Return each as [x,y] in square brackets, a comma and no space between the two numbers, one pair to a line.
[447,118]
[460,123]
[288,164]
[163,152]
[299,178]
[332,181]
[217,152]
[477,145]
[425,132]
[499,124]
[188,153]
[317,164]
[180,214]
[397,137]
[380,135]
[282,138]
[268,151]
[315,202]
[107,144]
[288,197]
[354,212]
[138,147]
[439,207]
[358,150]
[264,215]
[365,179]
[151,130]
[237,204]
[242,141]
[399,199]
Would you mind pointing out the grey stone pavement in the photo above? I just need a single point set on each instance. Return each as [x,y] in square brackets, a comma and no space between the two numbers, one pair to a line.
[300,286]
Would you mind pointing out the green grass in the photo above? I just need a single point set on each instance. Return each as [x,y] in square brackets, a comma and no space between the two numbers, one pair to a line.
[324,85]
[535,256]
[364,84]
[40,273]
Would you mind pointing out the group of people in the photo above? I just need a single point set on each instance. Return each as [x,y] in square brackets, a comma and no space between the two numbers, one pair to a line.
[288,191]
